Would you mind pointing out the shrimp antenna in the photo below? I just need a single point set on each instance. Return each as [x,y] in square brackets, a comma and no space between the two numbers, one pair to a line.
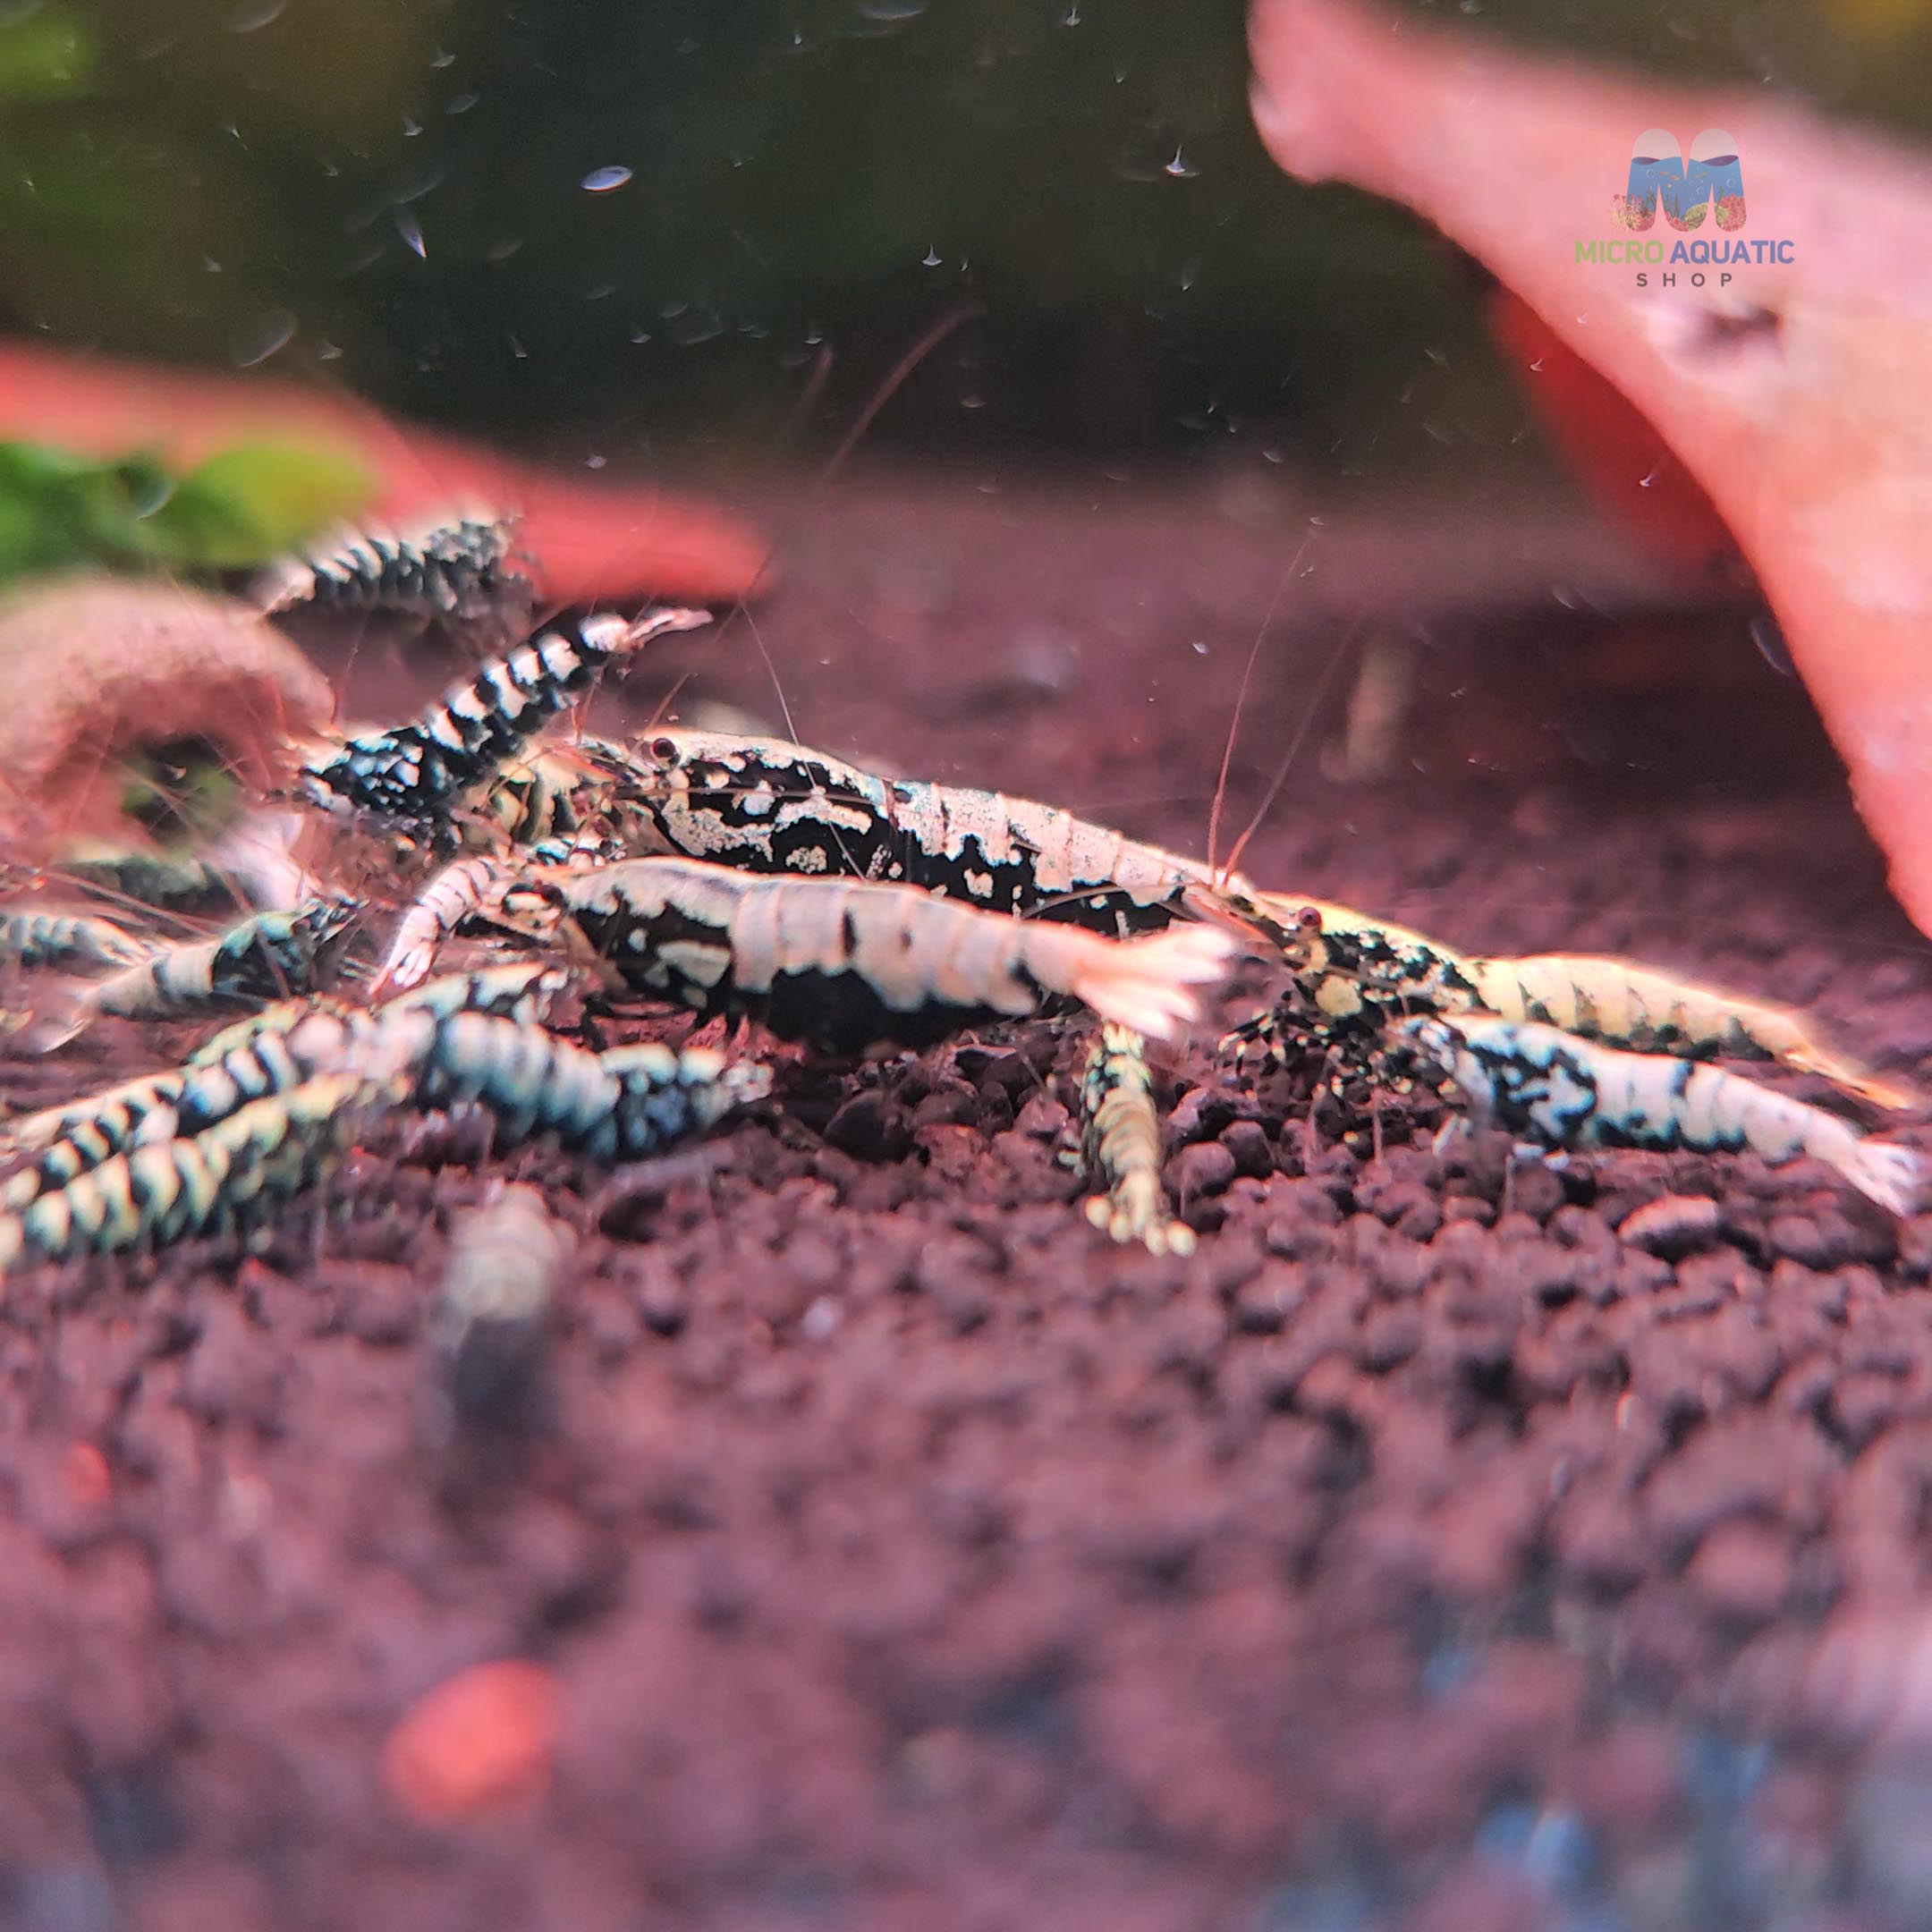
[785,703]
[902,368]
[896,378]
[1241,702]
[1316,695]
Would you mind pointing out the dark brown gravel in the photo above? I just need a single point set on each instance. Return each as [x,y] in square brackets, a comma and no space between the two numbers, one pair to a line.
[1417,1554]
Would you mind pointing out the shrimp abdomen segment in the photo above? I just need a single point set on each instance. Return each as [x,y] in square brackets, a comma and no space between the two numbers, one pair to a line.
[845,965]
[1631,1005]
[59,938]
[459,565]
[1567,1092]
[167,1189]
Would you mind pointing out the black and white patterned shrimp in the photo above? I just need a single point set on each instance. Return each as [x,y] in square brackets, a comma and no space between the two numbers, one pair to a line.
[276,1017]
[269,1052]
[1540,1082]
[523,990]
[765,805]
[63,1142]
[186,1101]
[518,989]
[844,965]
[462,565]
[68,939]
[168,1189]
[533,798]
[419,771]
[1357,975]
[266,957]
[1631,1005]
[623,1104]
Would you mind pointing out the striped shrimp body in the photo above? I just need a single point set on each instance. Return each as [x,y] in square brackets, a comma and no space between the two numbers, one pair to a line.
[524,990]
[613,1106]
[1613,999]
[1539,1081]
[169,1189]
[68,939]
[278,1018]
[1358,973]
[420,771]
[135,1099]
[765,805]
[1373,971]
[63,1142]
[269,1052]
[462,565]
[271,954]
[844,966]
[623,1104]
[184,1101]
[470,1040]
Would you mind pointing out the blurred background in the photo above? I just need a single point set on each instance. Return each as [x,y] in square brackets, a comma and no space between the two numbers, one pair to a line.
[705,230]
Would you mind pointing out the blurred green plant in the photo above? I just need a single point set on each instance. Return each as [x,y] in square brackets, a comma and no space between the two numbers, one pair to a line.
[240,507]
[45,55]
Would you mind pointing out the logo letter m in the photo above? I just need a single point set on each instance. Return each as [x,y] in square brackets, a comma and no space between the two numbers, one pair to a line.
[1685,191]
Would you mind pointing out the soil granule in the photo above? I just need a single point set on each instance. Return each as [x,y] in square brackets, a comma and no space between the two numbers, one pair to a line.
[1419,1553]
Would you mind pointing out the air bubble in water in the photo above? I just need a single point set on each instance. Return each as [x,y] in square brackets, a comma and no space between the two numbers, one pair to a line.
[255,341]
[1769,636]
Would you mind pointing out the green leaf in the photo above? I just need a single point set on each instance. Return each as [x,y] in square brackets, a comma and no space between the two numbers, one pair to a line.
[239,508]
[46,54]
[254,501]
[113,506]
[58,509]
[35,466]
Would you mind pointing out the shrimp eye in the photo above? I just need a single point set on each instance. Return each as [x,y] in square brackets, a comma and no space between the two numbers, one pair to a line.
[665,751]
[1308,918]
